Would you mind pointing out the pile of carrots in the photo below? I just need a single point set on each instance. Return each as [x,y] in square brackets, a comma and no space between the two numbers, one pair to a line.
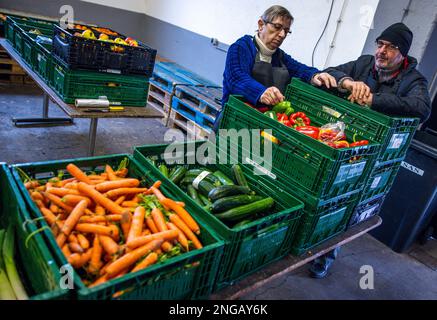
[107,225]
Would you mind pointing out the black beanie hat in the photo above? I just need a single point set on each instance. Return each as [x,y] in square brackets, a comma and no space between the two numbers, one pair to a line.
[399,35]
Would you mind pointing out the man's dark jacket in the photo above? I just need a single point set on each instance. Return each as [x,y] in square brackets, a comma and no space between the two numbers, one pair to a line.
[405,95]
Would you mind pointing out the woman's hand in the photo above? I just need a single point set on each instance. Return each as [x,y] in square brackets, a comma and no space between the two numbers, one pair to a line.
[271,96]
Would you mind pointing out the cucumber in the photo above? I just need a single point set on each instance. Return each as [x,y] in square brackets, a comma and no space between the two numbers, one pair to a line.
[210,178]
[226,191]
[204,186]
[223,178]
[171,171]
[246,210]
[197,171]
[192,192]
[239,176]
[242,223]
[205,200]
[178,174]
[164,170]
[227,203]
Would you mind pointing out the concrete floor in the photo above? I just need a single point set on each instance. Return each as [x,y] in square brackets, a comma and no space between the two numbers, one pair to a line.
[396,276]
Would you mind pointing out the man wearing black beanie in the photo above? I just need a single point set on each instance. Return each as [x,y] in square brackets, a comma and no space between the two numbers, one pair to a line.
[388,82]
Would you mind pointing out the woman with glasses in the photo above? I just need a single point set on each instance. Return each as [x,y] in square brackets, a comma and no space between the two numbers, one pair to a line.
[387,81]
[258,70]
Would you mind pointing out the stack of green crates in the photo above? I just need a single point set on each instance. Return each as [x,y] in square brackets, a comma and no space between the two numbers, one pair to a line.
[393,133]
[39,272]
[190,275]
[328,181]
[251,246]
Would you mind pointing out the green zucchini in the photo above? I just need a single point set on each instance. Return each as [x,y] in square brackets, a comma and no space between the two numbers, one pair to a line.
[164,170]
[178,174]
[246,210]
[239,176]
[205,200]
[192,192]
[226,191]
[227,203]
[171,171]
[242,223]
[223,178]
[189,178]
[204,187]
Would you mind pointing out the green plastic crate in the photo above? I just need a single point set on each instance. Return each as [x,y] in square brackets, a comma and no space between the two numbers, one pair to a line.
[43,62]
[38,270]
[322,220]
[366,209]
[124,90]
[393,133]
[250,247]
[171,279]
[22,41]
[320,170]
[381,178]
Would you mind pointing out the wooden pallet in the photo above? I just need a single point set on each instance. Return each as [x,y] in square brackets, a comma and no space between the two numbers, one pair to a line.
[159,100]
[206,100]
[10,70]
[167,80]
[191,129]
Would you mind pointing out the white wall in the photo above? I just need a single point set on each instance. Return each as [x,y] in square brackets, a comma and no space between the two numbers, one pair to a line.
[130,5]
[227,20]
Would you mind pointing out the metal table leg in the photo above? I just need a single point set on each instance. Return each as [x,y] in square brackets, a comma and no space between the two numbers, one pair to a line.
[92,136]
[45,120]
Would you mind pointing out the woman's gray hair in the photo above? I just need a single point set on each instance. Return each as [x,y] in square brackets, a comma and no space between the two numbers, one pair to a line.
[276,11]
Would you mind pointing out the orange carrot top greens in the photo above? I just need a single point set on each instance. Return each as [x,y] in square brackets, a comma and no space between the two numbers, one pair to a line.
[107,224]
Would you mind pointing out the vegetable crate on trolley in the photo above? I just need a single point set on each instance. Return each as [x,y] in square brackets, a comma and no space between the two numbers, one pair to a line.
[256,218]
[37,269]
[149,272]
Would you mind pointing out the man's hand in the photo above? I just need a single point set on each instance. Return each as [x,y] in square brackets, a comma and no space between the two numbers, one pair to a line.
[366,101]
[271,96]
[358,89]
[324,78]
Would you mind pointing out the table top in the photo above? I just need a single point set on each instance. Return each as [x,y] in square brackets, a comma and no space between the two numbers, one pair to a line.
[71,110]
[290,263]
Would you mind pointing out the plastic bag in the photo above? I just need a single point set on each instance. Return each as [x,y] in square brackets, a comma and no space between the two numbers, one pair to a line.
[331,132]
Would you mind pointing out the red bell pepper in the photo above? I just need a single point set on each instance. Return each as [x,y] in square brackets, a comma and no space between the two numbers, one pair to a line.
[299,118]
[313,132]
[359,143]
[341,144]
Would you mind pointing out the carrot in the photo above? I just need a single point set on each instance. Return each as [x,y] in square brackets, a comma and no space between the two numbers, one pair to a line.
[71,221]
[110,173]
[137,224]
[158,219]
[75,247]
[100,280]
[146,232]
[109,245]
[78,173]
[152,258]
[142,240]
[183,214]
[54,208]
[135,199]
[122,173]
[111,231]
[83,241]
[123,183]
[125,222]
[35,195]
[120,200]
[100,210]
[72,200]
[132,257]
[71,185]
[181,237]
[58,201]
[72,238]
[32,184]
[61,192]
[185,229]
[129,204]
[100,199]
[96,219]
[66,251]
[48,215]
[96,257]
[83,258]
[62,183]
[151,225]
[124,191]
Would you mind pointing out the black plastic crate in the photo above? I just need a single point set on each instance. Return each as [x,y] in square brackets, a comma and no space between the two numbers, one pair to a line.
[83,53]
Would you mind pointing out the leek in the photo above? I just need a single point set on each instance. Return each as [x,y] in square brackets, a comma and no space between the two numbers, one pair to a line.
[11,268]
[6,291]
